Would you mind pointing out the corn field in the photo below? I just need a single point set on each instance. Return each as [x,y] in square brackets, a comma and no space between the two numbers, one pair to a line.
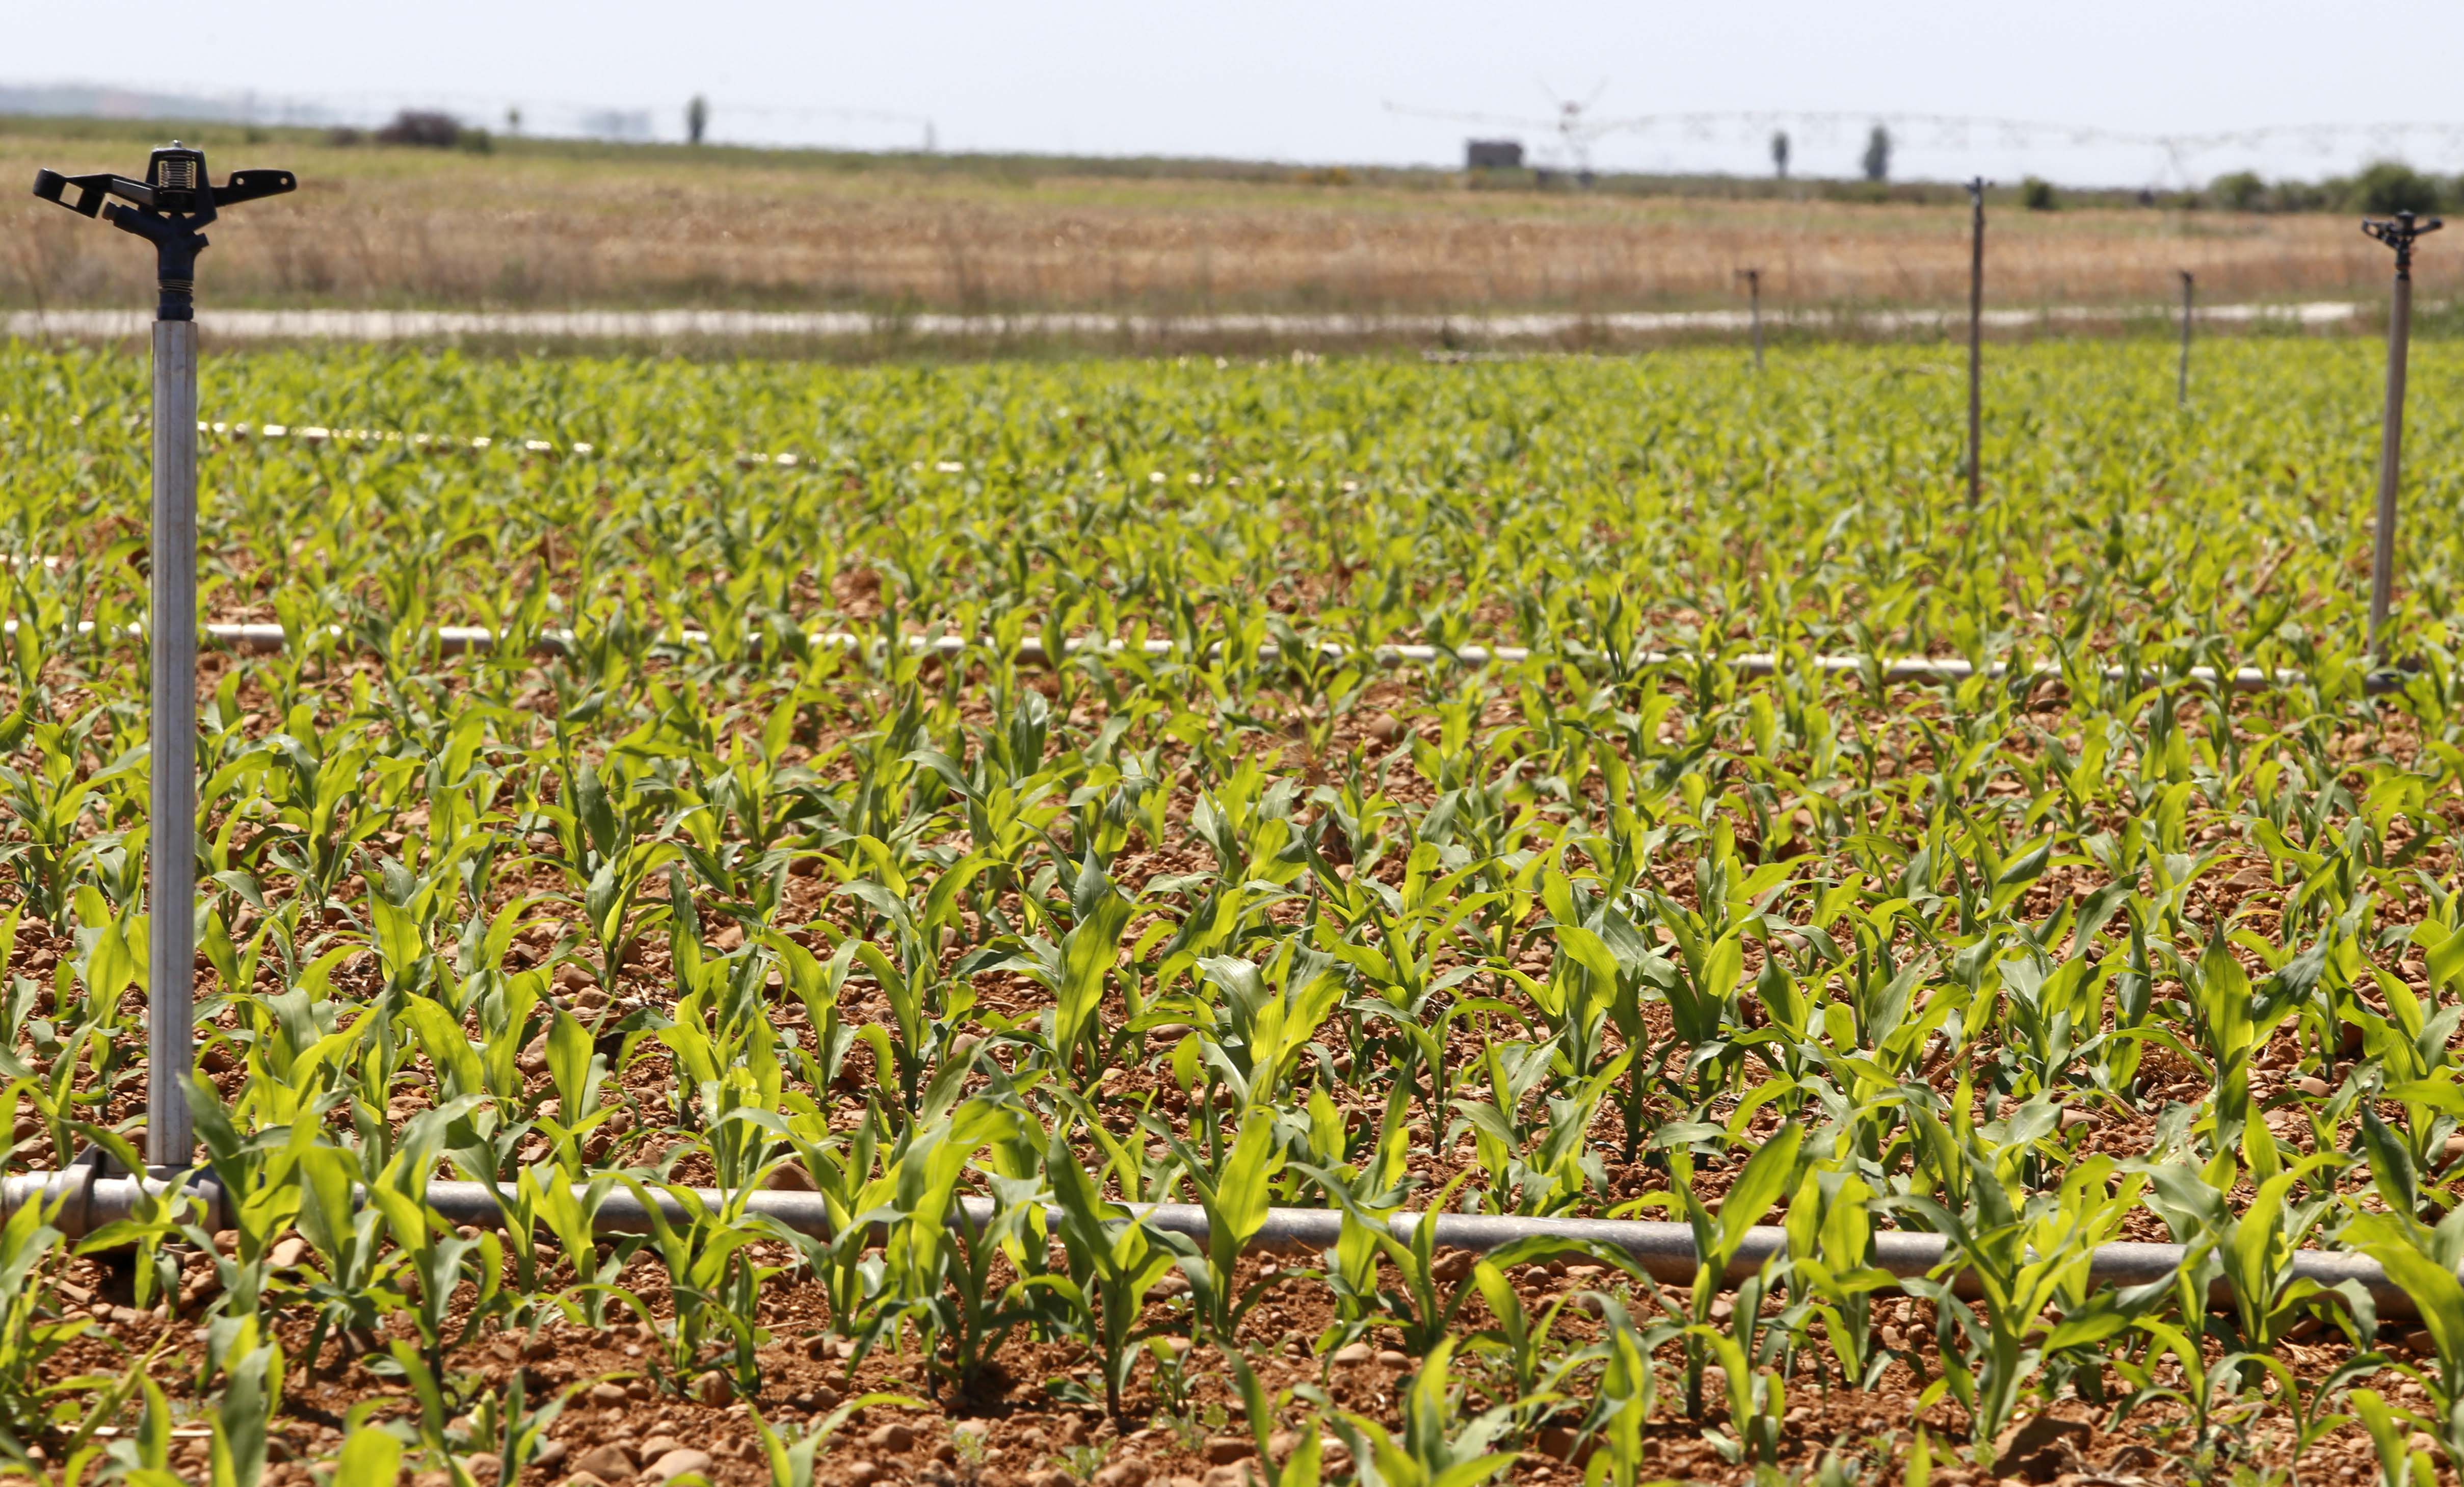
[736,887]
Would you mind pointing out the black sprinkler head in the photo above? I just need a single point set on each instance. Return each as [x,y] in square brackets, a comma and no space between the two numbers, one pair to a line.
[168,209]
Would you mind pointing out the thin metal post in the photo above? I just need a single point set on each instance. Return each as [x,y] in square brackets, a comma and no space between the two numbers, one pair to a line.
[2184,395]
[2390,461]
[172,850]
[1976,342]
[1755,311]
[2398,234]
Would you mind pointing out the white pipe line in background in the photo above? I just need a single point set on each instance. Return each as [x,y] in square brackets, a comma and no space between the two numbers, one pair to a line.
[314,435]
[268,638]
[454,639]
[843,325]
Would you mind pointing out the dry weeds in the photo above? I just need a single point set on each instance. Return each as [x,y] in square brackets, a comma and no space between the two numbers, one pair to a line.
[400,227]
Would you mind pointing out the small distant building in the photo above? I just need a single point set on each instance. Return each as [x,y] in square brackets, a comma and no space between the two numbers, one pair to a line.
[1492,154]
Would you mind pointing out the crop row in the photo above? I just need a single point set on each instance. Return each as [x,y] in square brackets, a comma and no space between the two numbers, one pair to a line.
[2032,964]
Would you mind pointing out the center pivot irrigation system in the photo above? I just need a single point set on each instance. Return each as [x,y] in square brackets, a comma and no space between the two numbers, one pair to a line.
[172,206]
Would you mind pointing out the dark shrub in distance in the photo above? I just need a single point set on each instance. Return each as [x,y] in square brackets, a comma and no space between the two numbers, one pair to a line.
[422,127]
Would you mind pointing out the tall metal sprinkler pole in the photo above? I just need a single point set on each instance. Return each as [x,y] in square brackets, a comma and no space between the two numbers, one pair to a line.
[171,857]
[2399,235]
[1976,342]
[169,209]
[2184,394]
[1753,279]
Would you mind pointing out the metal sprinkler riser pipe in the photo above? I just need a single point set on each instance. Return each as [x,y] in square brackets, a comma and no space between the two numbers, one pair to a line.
[171,852]
[1976,342]
[2399,234]
[2181,389]
[169,209]
[1753,279]
[1662,1251]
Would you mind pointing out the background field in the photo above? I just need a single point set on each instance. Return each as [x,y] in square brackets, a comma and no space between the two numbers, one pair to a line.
[549,225]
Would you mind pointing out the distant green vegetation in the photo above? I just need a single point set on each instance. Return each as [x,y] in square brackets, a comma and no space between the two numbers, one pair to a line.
[2383,188]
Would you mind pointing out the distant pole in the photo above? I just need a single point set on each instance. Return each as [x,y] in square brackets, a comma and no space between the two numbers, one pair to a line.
[1976,342]
[2398,234]
[1753,279]
[2184,394]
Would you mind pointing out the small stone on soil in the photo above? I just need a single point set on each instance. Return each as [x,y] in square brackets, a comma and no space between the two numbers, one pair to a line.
[607,1462]
[676,1463]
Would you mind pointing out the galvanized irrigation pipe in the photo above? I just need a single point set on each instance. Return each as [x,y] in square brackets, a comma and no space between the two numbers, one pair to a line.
[1976,342]
[2183,394]
[1753,279]
[2398,234]
[1664,1251]
[171,855]
[458,640]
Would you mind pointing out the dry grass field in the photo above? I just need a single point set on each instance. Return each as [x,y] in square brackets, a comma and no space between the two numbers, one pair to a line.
[535,225]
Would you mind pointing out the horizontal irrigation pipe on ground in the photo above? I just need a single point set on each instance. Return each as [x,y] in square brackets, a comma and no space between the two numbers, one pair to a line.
[457,639]
[87,1200]
[316,434]
[849,324]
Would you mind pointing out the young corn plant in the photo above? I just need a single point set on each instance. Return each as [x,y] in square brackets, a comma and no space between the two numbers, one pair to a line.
[1435,1448]
[1830,1251]
[1766,1176]
[1628,1392]
[2029,1254]
[792,1457]
[1115,1261]
[1235,1198]
[31,1334]
[1304,1467]
[2423,1261]
[251,1395]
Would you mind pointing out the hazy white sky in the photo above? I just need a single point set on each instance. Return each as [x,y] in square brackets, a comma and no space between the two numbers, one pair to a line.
[1308,81]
